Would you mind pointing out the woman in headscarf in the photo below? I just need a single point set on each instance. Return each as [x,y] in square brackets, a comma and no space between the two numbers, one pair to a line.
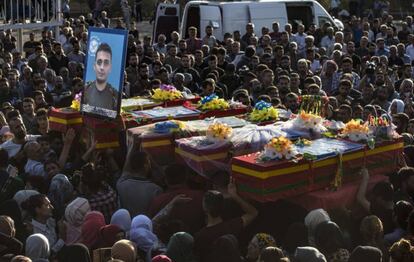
[365,254]
[259,242]
[11,208]
[226,249]
[372,232]
[141,234]
[75,252]
[400,120]
[330,241]
[37,247]
[74,216]
[93,222]
[296,236]
[109,234]
[312,220]
[124,250]
[60,193]
[396,106]
[180,247]
[122,219]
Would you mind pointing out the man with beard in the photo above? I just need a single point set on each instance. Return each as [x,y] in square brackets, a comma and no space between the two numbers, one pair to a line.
[18,129]
[292,102]
[382,97]
[143,84]
[132,71]
[406,187]
[186,68]
[58,59]
[6,95]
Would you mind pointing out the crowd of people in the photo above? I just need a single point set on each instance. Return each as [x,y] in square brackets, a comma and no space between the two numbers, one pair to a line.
[61,199]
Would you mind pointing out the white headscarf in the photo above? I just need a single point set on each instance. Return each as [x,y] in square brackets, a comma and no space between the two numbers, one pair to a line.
[400,106]
[74,215]
[313,219]
[37,247]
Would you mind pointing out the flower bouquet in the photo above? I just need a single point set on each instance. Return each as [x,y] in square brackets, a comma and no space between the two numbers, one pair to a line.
[213,102]
[356,131]
[263,112]
[167,127]
[167,93]
[76,102]
[278,148]
[218,132]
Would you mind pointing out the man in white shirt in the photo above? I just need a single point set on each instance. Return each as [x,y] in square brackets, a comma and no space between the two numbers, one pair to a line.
[33,165]
[18,129]
[409,50]
[328,40]
[299,38]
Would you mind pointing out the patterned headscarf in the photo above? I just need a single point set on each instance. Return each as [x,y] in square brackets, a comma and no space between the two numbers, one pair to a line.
[264,240]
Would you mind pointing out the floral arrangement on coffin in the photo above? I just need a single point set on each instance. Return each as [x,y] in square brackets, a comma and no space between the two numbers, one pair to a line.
[219,132]
[167,93]
[309,121]
[381,127]
[356,131]
[263,112]
[171,126]
[76,102]
[213,102]
[278,148]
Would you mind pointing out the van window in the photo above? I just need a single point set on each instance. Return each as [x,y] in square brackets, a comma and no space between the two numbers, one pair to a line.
[167,24]
[299,14]
[193,19]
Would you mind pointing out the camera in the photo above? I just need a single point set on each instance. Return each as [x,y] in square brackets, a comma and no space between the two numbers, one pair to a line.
[370,68]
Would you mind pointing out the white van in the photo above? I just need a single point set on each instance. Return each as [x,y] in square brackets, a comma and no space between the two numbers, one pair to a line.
[232,16]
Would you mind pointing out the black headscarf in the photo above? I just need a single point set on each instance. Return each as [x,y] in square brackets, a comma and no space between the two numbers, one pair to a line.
[75,252]
[11,208]
[366,253]
[226,249]
[328,238]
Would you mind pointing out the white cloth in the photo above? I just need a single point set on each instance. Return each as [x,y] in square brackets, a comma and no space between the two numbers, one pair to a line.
[410,51]
[35,168]
[13,148]
[37,247]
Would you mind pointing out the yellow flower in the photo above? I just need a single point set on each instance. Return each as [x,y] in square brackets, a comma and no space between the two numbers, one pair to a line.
[164,95]
[215,104]
[75,105]
[265,114]
[355,126]
[219,130]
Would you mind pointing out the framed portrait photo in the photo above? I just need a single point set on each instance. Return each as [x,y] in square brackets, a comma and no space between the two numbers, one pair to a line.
[104,72]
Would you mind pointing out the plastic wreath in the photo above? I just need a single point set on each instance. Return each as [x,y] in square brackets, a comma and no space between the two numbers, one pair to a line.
[308,120]
[213,102]
[278,148]
[76,102]
[263,112]
[356,131]
[167,92]
[218,132]
[169,127]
